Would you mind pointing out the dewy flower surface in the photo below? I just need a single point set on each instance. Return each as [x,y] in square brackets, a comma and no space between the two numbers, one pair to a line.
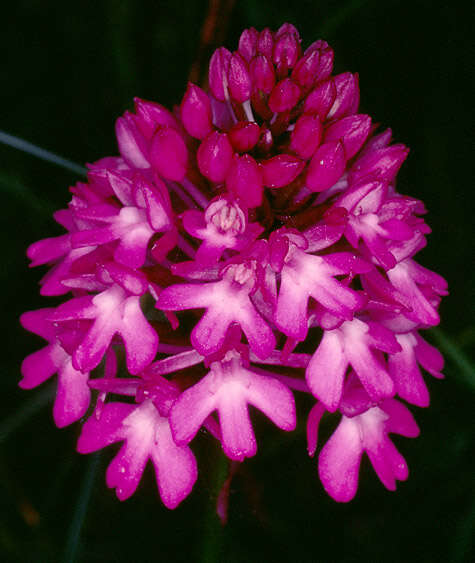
[245,248]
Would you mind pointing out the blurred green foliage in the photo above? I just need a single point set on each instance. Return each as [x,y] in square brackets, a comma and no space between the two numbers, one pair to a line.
[68,70]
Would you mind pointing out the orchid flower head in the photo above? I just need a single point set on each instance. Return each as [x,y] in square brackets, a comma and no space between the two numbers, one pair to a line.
[246,248]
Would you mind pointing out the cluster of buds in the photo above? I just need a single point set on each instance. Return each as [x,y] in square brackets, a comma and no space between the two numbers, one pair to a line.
[246,247]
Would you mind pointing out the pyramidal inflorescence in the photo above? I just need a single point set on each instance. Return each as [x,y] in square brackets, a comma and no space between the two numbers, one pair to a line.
[246,247]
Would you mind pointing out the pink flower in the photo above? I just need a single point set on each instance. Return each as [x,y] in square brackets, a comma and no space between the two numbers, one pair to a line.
[339,460]
[419,286]
[73,394]
[227,388]
[226,302]
[146,435]
[112,311]
[352,344]
[404,369]
[261,215]
[146,211]
[305,275]
[223,225]
[375,218]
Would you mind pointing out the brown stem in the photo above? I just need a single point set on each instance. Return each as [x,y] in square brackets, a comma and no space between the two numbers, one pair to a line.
[213,35]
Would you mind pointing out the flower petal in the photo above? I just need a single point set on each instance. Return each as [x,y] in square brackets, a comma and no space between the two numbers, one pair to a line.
[339,461]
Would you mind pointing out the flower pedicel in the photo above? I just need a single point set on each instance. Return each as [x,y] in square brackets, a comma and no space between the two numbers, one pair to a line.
[266,208]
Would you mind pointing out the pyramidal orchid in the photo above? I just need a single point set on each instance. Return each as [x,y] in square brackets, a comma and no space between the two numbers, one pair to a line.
[245,248]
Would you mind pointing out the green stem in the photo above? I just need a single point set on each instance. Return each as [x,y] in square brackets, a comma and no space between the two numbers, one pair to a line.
[43,154]
[23,414]
[459,358]
[213,528]
[74,534]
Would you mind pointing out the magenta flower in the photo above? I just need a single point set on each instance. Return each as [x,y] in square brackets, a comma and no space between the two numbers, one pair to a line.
[112,311]
[339,460]
[354,343]
[227,388]
[223,225]
[261,215]
[305,275]
[73,394]
[146,435]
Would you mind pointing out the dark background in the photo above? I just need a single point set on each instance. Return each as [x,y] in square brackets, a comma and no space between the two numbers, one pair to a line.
[68,69]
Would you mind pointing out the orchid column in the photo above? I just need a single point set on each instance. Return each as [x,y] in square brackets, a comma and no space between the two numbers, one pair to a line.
[257,225]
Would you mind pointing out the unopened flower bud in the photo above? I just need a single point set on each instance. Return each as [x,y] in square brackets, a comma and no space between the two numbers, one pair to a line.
[265,139]
[244,180]
[132,145]
[284,95]
[321,99]
[306,135]
[168,154]
[352,131]
[215,156]
[289,29]
[326,56]
[239,81]
[196,112]
[347,95]
[244,135]
[286,52]
[265,43]
[280,170]
[382,163]
[262,72]
[150,116]
[305,71]
[248,43]
[326,166]
[218,69]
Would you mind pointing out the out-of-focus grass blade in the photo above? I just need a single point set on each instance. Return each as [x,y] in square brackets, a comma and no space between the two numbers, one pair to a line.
[453,352]
[15,188]
[25,412]
[57,485]
[466,338]
[74,534]
[43,154]
[213,529]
